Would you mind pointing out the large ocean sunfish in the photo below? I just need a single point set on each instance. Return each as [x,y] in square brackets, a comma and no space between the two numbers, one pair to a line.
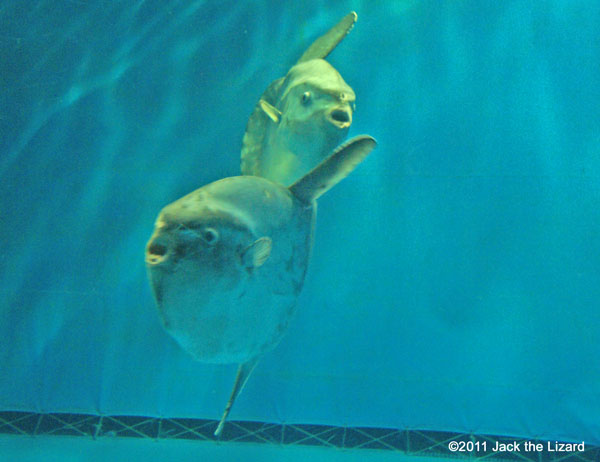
[227,262]
[301,117]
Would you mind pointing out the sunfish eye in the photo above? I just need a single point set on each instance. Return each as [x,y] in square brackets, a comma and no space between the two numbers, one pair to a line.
[305,97]
[210,235]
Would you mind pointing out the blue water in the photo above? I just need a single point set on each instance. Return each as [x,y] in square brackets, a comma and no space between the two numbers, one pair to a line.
[455,282]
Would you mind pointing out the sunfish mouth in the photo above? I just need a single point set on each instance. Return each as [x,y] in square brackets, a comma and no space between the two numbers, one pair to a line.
[341,118]
[156,252]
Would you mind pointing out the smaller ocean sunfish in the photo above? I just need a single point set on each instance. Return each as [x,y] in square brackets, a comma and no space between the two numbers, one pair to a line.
[227,262]
[301,117]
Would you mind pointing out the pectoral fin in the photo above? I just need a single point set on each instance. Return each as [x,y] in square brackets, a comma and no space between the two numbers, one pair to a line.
[244,371]
[327,42]
[273,113]
[333,169]
[257,253]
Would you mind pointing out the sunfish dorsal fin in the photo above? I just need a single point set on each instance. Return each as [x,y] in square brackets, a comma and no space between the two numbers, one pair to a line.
[243,372]
[333,169]
[321,47]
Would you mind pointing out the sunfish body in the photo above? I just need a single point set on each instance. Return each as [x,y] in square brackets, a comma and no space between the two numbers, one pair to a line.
[226,262]
[301,117]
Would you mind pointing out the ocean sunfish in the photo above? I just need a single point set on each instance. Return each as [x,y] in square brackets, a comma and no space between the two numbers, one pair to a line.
[301,117]
[226,262]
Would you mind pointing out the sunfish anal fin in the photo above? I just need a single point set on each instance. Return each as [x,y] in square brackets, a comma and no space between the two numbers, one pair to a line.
[327,42]
[333,169]
[243,372]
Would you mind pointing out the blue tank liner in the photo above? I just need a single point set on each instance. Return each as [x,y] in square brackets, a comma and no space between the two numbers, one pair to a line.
[407,442]
[455,283]
[52,449]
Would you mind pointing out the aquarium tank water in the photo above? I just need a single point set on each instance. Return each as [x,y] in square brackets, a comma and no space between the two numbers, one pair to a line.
[453,293]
